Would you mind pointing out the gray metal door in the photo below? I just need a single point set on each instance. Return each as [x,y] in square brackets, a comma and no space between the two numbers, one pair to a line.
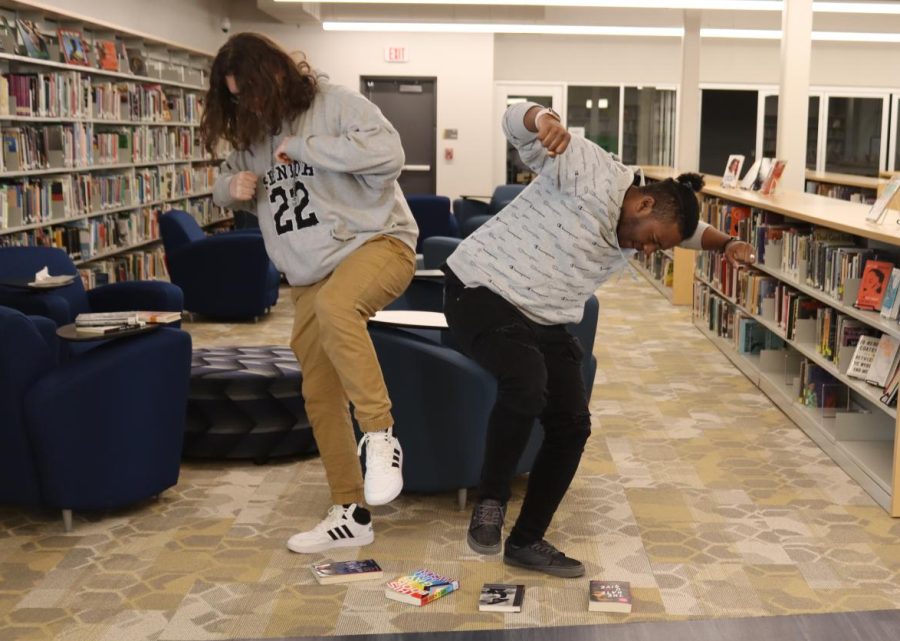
[411,106]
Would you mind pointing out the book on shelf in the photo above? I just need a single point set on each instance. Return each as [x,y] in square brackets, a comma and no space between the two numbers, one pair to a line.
[863,356]
[890,306]
[874,284]
[106,55]
[771,182]
[884,361]
[610,596]
[752,174]
[33,40]
[880,206]
[891,388]
[765,168]
[8,40]
[501,597]
[72,45]
[732,171]
[346,571]
[420,587]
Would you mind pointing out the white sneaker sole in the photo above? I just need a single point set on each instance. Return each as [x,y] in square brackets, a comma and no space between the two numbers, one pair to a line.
[386,495]
[311,548]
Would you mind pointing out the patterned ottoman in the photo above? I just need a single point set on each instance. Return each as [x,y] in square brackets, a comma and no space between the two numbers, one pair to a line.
[245,402]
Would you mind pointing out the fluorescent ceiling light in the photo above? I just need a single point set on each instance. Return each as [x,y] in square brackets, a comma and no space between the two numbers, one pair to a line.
[857,7]
[710,5]
[482,27]
[724,5]
[851,36]
[752,34]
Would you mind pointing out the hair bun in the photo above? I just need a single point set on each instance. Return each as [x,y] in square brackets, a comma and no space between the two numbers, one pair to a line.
[692,181]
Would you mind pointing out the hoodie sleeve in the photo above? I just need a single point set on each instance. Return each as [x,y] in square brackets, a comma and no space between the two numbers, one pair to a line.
[234,164]
[530,149]
[366,144]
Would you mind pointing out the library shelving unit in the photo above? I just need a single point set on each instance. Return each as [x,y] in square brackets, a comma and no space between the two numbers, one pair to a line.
[854,426]
[92,153]
[671,270]
[862,189]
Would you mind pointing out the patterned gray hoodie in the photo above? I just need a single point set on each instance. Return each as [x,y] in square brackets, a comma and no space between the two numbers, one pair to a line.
[340,192]
[550,249]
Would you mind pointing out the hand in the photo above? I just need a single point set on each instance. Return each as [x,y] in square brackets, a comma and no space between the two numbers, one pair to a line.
[553,136]
[281,154]
[242,186]
[739,251]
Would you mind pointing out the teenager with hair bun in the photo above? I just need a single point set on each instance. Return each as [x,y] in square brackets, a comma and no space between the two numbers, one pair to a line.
[514,284]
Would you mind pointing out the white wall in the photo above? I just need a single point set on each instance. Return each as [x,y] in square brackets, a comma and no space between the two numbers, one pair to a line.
[461,64]
[583,59]
[192,23]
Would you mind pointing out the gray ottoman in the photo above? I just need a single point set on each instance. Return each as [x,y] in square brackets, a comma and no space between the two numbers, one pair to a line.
[245,403]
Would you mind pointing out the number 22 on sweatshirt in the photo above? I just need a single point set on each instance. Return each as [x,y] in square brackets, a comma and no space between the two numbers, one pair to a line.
[339,191]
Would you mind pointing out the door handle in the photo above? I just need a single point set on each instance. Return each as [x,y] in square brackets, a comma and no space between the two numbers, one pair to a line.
[416,167]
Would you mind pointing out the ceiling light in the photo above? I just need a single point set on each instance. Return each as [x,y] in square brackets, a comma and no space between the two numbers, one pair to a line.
[481,27]
[712,5]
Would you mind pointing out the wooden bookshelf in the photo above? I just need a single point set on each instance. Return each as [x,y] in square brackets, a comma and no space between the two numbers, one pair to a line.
[862,439]
[851,187]
[161,164]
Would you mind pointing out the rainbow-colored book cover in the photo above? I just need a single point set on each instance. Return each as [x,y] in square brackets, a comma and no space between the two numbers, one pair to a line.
[420,587]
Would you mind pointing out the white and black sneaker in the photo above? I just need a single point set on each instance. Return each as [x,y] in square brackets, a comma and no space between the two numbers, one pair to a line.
[338,530]
[384,466]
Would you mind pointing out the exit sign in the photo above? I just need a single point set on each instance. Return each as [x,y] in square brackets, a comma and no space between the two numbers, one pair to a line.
[395,54]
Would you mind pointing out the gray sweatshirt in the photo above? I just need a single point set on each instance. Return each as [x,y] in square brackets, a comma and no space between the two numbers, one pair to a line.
[550,249]
[340,191]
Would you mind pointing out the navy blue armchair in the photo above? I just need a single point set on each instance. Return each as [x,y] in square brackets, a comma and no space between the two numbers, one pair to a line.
[437,249]
[442,400]
[226,275]
[472,214]
[433,216]
[63,304]
[101,431]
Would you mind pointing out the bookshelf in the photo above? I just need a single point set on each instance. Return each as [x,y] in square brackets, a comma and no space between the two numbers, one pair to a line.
[863,189]
[857,429]
[92,154]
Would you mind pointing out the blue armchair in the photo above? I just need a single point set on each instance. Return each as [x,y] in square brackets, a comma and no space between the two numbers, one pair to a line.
[227,275]
[472,213]
[442,400]
[437,249]
[100,431]
[433,216]
[63,304]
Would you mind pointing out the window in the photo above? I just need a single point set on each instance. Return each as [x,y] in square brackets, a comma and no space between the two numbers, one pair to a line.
[854,135]
[727,126]
[648,133]
[596,111]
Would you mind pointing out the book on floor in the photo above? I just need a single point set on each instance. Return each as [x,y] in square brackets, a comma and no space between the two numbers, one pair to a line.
[501,597]
[346,571]
[420,587]
[610,596]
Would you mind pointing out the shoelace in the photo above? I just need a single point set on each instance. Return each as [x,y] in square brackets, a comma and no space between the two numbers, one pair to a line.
[378,444]
[543,547]
[486,514]
[334,517]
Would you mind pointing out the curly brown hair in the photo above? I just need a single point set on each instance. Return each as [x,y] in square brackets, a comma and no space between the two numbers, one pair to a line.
[273,88]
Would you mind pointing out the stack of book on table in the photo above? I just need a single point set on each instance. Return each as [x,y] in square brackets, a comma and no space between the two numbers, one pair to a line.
[102,323]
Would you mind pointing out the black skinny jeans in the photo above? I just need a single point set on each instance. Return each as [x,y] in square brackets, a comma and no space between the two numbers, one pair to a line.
[538,371]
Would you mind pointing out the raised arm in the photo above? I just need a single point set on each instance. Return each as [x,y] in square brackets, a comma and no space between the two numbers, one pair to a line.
[536,133]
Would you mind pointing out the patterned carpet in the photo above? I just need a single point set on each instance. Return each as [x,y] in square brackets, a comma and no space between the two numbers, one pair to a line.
[694,488]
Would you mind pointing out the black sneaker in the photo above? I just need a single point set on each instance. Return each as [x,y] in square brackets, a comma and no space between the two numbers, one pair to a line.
[540,556]
[486,526]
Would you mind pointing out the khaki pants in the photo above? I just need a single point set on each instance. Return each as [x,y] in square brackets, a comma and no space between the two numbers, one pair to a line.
[337,359]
